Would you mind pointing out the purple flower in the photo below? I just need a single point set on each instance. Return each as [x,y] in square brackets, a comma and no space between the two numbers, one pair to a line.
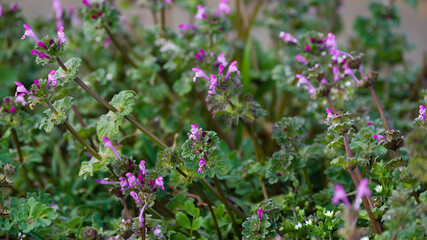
[323,81]
[159,183]
[110,146]
[307,48]
[41,55]
[141,215]
[349,72]
[232,68]
[185,27]
[107,42]
[13,110]
[36,82]
[132,180]
[380,138]
[220,69]
[302,80]
[20,98]
[336,72]
[51,79]
[223,8]
[340,195]
[106,182]
[213,84]
[29,32]
[422,111]
[20,88]
[61,36]
[362,190]
[194,132]
[14,7]
[57,8]
[41,44]
[221,60]
[200,55]
[135,196]
[142,168]
[330,115]
[201,12]
[123,183]
[202,164]
[331,44]
[86,2]
[260,214]
[287,37]
[199,73]
[168,1]
[301,59]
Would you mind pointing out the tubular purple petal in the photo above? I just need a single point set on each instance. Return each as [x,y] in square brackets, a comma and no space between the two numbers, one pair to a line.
[362,191]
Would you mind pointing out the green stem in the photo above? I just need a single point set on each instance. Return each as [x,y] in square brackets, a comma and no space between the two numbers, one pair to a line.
[122,199]
[21,159]
[76,135]
[380,109]
[108,106]
[205,198]
[120,48]
[233,221]
[163,21]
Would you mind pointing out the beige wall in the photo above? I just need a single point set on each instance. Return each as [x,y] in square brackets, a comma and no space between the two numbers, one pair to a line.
[414,23]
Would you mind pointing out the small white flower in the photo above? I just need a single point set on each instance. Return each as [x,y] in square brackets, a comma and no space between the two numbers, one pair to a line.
[308,222]
[298,226]
[330,228]
[364,238]
[379,188]
[329,213]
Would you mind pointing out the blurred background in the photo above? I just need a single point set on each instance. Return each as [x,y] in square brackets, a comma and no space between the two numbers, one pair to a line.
[413,22]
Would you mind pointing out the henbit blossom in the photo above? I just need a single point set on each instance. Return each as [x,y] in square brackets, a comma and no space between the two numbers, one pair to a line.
[340,195]
[132,180]
[213,85]
[41,55]
[301,59]
[159,183]
[185,27]
[168,1]
[141,215]
[20,98]
[14,7]
[362,191]
[142,168]
[20,88]
[380,138]
[36,82]
[57,8]
[106,182]
[200,55]
[194,132]
[123,183]
[223,7]
[260,214]
[348,71]
[61,36]
[307,48]
[110,146]
[303,80]
[220,69]
[30,33]
[336,72]
[287,37]
[201,12]
[107,42]
[199,73]
[13,110]
[221,60]
[202,165]
[331,44]
[1,10]
[232,68]
[86,2]
[422,112]
[51,79]
[135,196]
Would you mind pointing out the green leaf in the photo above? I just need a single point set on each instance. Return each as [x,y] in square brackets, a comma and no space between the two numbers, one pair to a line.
[64,77]
[197,223]
[183,220]
[62,106]
[191,209]
[246,66]
[124,102]
[108,125]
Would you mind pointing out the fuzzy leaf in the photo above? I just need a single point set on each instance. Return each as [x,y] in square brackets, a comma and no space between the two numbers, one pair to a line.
[108,125]
[124,102]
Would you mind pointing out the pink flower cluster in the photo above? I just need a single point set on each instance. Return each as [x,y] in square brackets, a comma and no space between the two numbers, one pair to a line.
[362,191]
